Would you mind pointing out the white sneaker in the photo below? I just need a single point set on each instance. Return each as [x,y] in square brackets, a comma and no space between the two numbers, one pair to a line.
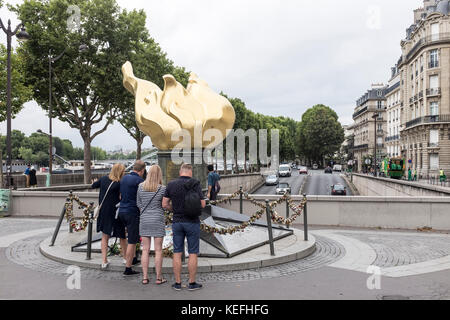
[105,265]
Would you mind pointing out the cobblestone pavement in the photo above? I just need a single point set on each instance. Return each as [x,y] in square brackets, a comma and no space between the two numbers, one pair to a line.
[392,249]
[26,253]
[399,249]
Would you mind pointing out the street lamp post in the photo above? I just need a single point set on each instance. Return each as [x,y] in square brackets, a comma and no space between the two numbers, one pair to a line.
[375,116]
[22,35]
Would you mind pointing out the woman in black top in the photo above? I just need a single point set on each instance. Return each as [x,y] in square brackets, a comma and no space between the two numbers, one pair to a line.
[108,199]
[33,179]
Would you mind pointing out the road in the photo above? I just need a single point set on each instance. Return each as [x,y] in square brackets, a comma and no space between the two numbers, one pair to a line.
[318,183]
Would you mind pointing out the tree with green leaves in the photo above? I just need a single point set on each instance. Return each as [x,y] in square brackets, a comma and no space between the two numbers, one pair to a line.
[20,93]
[88,91]
[321,134]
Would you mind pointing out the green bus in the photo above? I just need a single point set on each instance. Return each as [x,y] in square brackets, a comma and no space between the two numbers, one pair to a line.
[394,167]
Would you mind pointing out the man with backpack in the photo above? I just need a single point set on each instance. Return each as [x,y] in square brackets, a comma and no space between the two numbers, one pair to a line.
[213,183]
[185,198]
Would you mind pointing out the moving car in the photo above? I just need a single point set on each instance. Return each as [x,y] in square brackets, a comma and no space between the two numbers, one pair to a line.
[315,166]
[284,170]
[303,170]
[328,170]
[272,180]
[337,168]
[283,187]
[338,190]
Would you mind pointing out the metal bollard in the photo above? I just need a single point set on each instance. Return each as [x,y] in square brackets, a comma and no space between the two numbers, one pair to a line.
[58,226]
[89,241]
[269,227]
[241,209]
[305,219]
[287,211]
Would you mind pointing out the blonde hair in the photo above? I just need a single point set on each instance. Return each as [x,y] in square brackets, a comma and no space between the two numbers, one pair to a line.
[117,172]
[154,179]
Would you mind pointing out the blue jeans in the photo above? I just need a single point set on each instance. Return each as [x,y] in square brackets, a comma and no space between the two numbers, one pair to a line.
[189,230]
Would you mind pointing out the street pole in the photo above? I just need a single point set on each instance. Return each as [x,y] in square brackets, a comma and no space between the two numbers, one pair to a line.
[50,151]
[375,155]
[8,108]
[22,35]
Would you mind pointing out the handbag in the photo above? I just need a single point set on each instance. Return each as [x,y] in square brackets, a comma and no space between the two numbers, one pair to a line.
[97,209]
[151,199]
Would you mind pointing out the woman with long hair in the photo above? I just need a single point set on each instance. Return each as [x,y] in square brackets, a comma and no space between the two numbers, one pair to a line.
[108,198]
[152,221]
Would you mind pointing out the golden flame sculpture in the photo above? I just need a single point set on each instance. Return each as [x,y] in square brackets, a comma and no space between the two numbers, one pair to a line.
[174,111]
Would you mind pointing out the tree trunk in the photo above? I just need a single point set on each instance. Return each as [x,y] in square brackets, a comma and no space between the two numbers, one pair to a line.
[87,161]
[139,149]
[225,169]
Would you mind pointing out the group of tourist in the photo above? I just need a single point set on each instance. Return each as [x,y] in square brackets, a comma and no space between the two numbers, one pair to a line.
[131,208]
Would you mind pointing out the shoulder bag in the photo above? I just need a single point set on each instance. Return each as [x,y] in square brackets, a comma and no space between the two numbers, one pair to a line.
[97,209]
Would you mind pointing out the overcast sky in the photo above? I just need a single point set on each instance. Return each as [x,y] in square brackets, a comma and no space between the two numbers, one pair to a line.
[279,56]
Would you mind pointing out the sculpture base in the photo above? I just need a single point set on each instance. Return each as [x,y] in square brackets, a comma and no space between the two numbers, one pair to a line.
[171,170]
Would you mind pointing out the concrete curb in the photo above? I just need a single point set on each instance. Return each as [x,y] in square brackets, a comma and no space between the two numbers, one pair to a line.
[287,250]
[355,191]
[302,188]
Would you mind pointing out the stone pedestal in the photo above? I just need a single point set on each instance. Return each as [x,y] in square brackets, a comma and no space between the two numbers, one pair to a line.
[171,170]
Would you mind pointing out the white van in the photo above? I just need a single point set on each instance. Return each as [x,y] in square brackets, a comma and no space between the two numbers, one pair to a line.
[337,167]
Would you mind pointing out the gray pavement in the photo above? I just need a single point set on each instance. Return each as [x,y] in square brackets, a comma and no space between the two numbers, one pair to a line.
[26,274]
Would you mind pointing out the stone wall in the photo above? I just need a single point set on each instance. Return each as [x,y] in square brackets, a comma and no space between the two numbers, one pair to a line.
[50,203]
[372,186]
[365,212]
[57,179]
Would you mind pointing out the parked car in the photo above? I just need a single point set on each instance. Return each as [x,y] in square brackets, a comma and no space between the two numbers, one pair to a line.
[303,170]
[272,180]
[338,190]
[337,168]
[61,171]
[328,170]
[315,166]
[283,187]
[284,170]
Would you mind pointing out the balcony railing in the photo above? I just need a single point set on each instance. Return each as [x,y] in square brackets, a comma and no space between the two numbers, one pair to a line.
[433,92]
[392,138]
[427,40]
[433,144]
[433,64]
[428,119]
[361,147]
[356,114]
[420,95]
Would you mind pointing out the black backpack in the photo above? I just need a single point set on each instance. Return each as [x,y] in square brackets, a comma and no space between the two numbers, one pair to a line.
[192,200]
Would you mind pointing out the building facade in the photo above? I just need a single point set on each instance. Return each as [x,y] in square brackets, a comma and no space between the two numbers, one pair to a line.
[424,72]
[394,104]
[369,126]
